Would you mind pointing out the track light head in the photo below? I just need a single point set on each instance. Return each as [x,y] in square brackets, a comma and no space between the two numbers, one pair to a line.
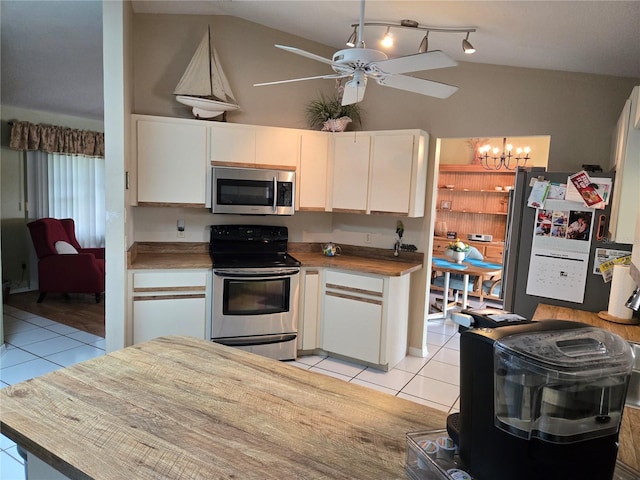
[424,44]
[352,38]
[387,41]
[467,47]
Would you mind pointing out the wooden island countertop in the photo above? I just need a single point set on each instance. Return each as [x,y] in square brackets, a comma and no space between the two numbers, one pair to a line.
[629,449]
[178,408]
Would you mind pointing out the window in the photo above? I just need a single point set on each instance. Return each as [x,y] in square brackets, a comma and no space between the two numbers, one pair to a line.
[68,186]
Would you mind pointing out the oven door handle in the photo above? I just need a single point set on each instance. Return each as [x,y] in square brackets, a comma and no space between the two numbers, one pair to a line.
[255,340]
[261,273]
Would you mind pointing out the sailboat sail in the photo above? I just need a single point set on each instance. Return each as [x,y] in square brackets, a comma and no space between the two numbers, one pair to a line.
[204,86]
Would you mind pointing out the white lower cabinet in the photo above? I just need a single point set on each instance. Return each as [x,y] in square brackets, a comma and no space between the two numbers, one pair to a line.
[170,302]
[365,317]
[310,298]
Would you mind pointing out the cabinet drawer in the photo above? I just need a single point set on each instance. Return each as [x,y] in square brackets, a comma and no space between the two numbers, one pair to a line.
[440,246]
[170,280]
[351,281]
[494,253]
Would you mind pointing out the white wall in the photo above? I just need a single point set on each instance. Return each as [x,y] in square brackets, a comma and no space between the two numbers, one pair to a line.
[578,111]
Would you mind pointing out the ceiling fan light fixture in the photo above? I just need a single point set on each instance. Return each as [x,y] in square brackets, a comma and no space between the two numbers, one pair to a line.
[424,44]
[352,38]
[467,47]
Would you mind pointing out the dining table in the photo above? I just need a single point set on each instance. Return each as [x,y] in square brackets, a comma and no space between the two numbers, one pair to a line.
[467,268]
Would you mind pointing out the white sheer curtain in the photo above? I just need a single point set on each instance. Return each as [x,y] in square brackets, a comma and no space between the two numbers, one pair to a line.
[69,186]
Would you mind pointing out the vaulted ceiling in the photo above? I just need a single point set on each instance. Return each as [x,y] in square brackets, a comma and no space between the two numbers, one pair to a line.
[52,50]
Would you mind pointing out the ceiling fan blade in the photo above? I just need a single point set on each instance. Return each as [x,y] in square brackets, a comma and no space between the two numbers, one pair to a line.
[416,62]
[333,75]
[418,85]
[304,53]
[354,89]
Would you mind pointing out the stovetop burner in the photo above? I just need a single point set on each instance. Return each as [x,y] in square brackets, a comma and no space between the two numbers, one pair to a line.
[250,246]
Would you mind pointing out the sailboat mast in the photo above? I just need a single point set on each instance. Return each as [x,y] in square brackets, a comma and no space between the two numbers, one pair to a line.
[210,64]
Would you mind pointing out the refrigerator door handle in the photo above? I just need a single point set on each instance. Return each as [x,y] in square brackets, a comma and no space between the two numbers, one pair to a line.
[602,226]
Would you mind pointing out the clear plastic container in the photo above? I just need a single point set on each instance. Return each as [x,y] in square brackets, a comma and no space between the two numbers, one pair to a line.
[434,462]
[421,465]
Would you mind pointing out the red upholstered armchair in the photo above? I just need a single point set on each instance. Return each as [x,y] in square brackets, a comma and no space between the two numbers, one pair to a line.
[63,265]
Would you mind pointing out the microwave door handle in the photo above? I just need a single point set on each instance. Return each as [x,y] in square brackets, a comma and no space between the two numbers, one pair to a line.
[275,194]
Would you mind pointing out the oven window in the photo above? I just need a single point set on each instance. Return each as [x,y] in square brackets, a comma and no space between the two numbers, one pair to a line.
[245,192]
[256,297]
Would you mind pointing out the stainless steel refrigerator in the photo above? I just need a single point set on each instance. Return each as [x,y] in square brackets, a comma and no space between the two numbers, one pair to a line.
[519,240]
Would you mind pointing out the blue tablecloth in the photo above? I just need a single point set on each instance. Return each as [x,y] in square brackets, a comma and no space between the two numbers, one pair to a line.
[440,262]
[483,264]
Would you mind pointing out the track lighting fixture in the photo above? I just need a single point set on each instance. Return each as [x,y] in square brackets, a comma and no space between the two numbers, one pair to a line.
[387,40]
[352,39]
[466,45]
[424,44]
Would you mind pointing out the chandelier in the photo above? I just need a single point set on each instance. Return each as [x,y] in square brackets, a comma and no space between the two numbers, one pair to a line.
[506,159]
[387,40]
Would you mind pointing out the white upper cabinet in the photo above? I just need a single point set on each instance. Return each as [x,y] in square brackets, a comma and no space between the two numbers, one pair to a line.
[391,171]
[626,161]
[381,172]
[351,172]
[172,161]
[313,172]
[277,147]
[233,143]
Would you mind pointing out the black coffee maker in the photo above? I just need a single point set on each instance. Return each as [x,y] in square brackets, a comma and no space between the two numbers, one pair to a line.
[538,400]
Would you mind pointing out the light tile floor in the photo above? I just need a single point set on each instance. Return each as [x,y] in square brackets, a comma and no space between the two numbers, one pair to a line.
[36,345]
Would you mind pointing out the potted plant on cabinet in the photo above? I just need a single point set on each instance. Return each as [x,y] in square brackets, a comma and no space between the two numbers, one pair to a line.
[330,115]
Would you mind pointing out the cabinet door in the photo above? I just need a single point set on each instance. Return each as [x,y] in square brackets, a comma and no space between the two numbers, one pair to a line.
[168,316]
[277,147]
[172,162]
[625,203]
[352,315]
[310,309]
[391,170]
[313,171]
[351,327]
[351,172]
[233,144]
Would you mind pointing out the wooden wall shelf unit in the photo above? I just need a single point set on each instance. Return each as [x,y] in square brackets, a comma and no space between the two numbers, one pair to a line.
[473,200]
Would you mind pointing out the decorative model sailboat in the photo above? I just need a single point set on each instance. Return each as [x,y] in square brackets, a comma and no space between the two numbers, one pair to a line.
[204,86]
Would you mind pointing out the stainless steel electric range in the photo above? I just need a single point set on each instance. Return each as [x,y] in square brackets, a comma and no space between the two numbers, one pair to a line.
[255,290]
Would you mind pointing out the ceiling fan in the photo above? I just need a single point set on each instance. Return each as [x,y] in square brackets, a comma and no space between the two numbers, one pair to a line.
[359,64]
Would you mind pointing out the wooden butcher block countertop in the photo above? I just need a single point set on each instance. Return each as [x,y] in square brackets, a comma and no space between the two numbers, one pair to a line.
[178,407]
[159,255]
[629,449]
[376,261]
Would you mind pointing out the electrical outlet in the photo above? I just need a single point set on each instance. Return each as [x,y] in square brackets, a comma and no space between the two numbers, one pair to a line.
[367,237]
[181,234]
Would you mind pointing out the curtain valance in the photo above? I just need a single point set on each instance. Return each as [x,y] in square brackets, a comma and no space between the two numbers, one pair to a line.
[54,139]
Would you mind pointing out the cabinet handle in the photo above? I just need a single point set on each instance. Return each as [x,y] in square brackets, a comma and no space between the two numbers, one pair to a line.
[353,297]
[168,297]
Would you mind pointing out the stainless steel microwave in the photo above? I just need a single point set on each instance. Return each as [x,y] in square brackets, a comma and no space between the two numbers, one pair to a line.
[252,191]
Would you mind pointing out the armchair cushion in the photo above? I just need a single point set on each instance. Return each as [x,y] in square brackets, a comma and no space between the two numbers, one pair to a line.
[64,248]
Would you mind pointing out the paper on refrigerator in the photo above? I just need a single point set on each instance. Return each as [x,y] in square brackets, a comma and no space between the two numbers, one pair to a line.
[560,251]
